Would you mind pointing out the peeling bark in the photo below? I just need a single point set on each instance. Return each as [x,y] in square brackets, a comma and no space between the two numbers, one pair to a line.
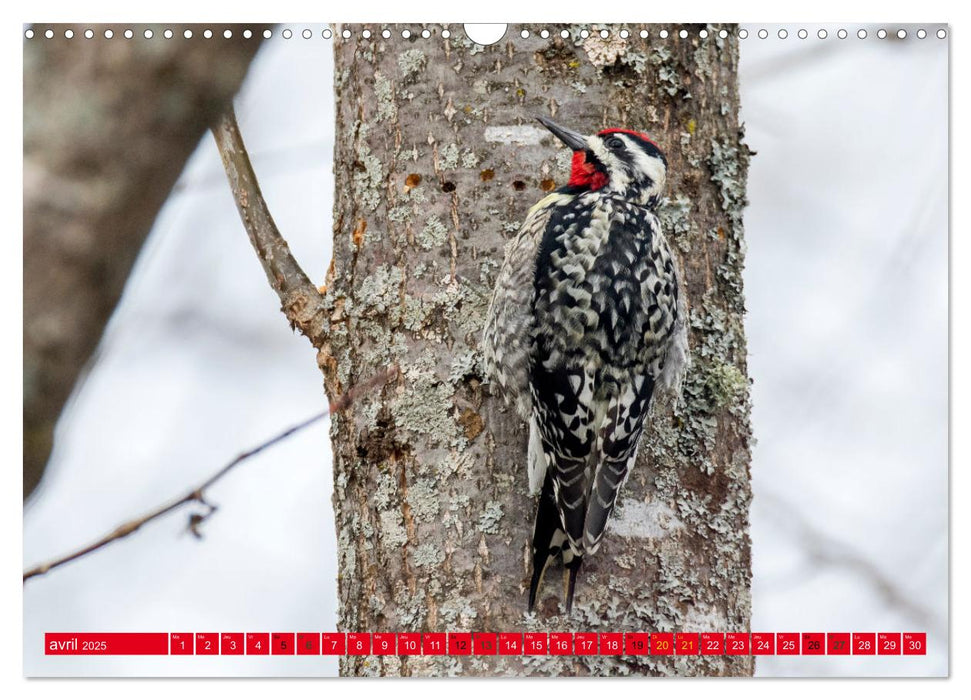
[437,161]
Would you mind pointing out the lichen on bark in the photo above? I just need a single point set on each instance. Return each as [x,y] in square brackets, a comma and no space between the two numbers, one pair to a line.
[438,154]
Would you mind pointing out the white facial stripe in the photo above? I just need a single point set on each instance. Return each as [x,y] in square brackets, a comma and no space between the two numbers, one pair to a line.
[652,167]
[619,178]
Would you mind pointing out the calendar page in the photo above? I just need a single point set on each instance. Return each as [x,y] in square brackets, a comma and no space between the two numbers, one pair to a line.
[526,349]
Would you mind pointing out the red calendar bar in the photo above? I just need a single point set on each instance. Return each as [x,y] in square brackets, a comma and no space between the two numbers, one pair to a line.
[787,643]
[106,643]
[459,643]
[561,643]
[181,643]
[915,643]
[662,644]
[281,643]
[409,643]
[888,643]
[838,643]
[637,643]
[585,643]
[485,643]
[206,643]
[257,643]
[358,643]
[763,643]
[813,643]
[535,643]
[433,643]
[230,644]
[383,643]
[737,643]
[308,643]
[333,643]
[510,643]
[864,643]
[611,643]
[488,643]
[686,643]
[712,643]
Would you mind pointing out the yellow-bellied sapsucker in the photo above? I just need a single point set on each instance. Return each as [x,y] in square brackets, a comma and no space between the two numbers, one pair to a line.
[587,320]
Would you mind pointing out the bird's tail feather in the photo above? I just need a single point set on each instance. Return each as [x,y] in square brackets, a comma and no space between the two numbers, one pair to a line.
[548,537]
[574,567]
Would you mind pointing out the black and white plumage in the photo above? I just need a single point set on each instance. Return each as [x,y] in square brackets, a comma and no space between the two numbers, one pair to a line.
[586,322]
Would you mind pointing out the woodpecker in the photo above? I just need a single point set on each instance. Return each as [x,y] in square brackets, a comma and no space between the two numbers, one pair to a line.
[586,322]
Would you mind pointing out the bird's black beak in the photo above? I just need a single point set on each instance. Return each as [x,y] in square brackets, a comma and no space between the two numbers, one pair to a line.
[576,142]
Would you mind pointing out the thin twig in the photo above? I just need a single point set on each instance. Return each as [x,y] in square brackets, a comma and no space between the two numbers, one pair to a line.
[301,300]
[197,495]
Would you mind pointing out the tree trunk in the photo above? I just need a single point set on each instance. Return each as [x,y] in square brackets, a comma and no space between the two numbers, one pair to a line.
[438,159]
[108,127]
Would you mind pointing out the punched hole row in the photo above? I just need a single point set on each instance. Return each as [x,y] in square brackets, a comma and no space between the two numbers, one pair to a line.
[445,34]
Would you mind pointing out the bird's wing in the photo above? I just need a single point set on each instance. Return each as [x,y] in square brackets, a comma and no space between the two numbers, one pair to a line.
[655,319]
[507,335]
[617,440]
[562,399]
[677,356]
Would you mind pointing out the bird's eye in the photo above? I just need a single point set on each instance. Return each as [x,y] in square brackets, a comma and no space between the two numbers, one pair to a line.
[614,143]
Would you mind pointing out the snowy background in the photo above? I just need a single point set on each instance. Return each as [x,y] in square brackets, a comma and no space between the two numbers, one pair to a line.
[846,286]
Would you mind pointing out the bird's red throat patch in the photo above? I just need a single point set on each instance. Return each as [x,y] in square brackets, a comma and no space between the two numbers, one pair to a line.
[583,173]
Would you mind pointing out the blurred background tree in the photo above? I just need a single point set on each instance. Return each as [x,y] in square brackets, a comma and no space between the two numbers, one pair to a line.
[108,127]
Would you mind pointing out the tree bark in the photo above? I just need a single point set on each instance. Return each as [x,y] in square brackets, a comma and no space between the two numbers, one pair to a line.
[438,159]
[108,127]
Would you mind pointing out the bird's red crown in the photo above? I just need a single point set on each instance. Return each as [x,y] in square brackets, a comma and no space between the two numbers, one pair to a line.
[638,134]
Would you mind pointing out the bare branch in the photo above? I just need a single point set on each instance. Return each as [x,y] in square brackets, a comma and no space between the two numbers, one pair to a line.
[301,300]
[197,495]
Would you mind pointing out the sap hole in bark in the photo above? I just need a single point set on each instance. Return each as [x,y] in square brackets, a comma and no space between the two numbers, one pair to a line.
[487,174]
[412,181]
[485,34]
[448,187]
[518,185]
[547,185]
